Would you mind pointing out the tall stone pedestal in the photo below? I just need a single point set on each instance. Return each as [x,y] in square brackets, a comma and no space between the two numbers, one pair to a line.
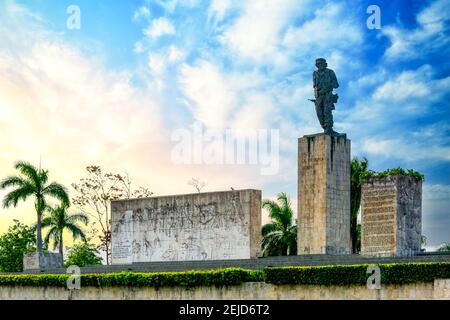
[324,194]
[391,216]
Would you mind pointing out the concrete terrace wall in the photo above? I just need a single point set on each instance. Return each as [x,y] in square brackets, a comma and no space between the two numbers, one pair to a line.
[439,289]
[201,226]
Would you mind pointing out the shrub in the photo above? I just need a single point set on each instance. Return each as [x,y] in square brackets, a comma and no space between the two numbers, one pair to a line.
[83,254]
[324,275]
[400,273]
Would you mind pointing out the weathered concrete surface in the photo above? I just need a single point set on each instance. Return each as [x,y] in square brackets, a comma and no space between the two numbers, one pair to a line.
[200,226]
[440,289]
[324,195]
[391,216]
[41,261]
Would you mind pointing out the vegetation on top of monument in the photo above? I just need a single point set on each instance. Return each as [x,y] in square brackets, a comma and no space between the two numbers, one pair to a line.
[395,172]
[280,235]
[83,254]
[94,195]
[59,220]
[19,239]
[444,247]
[32,182]
[358,172]
[401,273]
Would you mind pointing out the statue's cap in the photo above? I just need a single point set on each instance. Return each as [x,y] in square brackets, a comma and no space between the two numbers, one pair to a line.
[321,60]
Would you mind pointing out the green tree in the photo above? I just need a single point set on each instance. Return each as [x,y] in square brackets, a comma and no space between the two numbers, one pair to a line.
[279,236]
[59,220]
[359,170]
[444,247]
[32,182]
[19,239]
[83,254]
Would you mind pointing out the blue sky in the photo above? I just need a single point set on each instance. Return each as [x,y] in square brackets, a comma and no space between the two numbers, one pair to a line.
[137,70]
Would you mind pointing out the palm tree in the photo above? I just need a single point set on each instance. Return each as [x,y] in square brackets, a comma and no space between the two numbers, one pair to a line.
[279,236]
[444,247]
[359,170]
[32,182]
[60,220]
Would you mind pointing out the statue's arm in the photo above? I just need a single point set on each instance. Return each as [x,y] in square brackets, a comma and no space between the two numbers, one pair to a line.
[335,82]
[315,84]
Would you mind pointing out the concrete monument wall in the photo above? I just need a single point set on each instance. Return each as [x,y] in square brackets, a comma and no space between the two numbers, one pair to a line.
[324,195]
[439,289]
[200,226]
[391,216]
[43,260]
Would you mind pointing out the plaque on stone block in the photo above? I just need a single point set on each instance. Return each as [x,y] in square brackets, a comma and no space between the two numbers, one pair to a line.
[391,216]
[201,226]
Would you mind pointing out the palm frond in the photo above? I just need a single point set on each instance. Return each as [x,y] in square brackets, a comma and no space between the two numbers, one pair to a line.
[76,232]
[269,227]
[12,181]
[78,217]
[43,177]
[30,171]
[273,208]
[53,233]
[13,197]
[57,191]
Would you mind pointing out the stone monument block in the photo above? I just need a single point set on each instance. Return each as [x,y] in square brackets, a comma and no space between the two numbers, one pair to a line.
[200,226]
[41,261]
[391,216]
[324,194]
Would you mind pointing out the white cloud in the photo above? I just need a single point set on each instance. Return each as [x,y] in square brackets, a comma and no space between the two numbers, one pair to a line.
[157,64]
[175,54]
[138,47]
[331,28]
[218,9]
[211,96]
[413,84]
[431,33]
[436,192]
[142,12]
[406,150]
[159,27]
[255,34]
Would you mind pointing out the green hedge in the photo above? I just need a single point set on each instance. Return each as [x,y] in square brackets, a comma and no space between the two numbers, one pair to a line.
[218,277]
[323,275]
[400,273]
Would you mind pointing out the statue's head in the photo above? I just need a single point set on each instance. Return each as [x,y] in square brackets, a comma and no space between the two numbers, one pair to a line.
[321,63]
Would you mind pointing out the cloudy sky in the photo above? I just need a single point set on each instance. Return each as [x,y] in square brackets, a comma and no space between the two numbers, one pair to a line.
[114,91]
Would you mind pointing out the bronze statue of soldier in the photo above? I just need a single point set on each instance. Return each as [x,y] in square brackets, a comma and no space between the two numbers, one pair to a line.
[324,81]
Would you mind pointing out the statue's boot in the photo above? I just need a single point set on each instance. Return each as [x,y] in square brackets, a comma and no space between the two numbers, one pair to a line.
[330,131]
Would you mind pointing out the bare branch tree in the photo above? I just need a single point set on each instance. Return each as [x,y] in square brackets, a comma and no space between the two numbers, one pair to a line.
[197,184]
[95,193]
